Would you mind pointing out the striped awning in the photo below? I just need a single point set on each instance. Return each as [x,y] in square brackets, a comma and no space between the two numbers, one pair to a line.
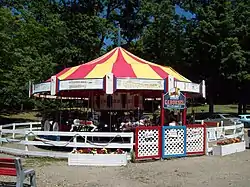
[122,64]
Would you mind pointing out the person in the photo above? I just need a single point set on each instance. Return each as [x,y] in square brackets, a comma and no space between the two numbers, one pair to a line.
[172,119]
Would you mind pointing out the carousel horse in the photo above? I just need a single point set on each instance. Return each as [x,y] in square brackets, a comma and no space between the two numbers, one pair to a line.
[142,122]
[78,124]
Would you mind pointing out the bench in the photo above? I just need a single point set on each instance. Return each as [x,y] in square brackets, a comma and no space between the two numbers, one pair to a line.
[13,167]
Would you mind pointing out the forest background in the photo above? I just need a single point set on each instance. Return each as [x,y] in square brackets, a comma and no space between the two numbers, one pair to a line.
[201,39]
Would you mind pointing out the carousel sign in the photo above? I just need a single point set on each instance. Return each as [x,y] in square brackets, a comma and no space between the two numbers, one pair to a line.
[140,84]
[42,87]
[81,84]
[188,87]
[174,100]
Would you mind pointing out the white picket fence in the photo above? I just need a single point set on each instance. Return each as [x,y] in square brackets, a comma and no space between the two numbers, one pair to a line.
[224,132]
[12,133]
[21,133]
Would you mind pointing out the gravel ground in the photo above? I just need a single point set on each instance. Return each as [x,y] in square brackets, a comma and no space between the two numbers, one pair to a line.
[233,170]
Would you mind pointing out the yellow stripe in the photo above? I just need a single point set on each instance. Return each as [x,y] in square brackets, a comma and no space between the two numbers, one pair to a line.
[100,58]
[168,70]
[100,70]
[73,69]
[68,73]
[173,73]
[141,70]
[144,71]
[128,59]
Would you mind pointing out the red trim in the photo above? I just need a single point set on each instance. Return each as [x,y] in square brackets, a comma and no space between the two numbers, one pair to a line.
[211,124]
[184,115]
[204,139]
[137,140]
[166,85]
[162,110]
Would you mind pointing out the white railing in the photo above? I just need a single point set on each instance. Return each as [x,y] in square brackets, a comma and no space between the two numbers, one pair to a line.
[224,132]
[13,125]
[31,126]
[26,137]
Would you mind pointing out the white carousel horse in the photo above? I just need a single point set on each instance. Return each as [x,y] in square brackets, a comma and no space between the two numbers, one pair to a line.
[129,124]
[83,123]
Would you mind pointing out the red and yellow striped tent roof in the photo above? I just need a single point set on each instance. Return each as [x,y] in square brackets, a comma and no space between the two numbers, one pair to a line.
[122,64]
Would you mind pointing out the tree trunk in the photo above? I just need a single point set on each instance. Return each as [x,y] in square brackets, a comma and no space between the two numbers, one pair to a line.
[239,108]
[211,105]
[244,108]
[211,94]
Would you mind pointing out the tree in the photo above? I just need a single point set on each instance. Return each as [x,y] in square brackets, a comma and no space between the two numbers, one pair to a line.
[161,35]
[214,47]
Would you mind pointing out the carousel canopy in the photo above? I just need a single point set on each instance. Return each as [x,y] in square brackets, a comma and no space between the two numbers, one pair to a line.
[116,71]
[122,64]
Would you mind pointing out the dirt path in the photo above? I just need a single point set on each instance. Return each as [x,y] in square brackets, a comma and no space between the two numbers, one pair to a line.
[212,171]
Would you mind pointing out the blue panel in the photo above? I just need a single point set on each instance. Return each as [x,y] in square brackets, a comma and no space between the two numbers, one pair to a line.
[165,86]
[58,85]
[169,145]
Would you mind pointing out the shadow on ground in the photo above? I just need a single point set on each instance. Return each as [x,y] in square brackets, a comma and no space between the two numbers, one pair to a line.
[11,184]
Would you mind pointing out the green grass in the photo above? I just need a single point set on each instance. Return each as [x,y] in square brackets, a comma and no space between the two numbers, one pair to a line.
[24,116]
[217,109]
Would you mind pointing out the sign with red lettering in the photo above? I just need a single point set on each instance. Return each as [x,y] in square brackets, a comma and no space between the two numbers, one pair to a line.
[174,100]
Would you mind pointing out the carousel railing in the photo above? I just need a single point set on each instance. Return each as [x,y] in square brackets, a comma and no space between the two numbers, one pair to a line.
[32,136]
[29,134]
[223,132]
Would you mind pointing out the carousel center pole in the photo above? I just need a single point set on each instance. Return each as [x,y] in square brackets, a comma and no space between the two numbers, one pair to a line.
[119,35]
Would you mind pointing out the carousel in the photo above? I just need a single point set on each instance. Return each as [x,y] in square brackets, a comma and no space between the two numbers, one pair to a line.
[115,87]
